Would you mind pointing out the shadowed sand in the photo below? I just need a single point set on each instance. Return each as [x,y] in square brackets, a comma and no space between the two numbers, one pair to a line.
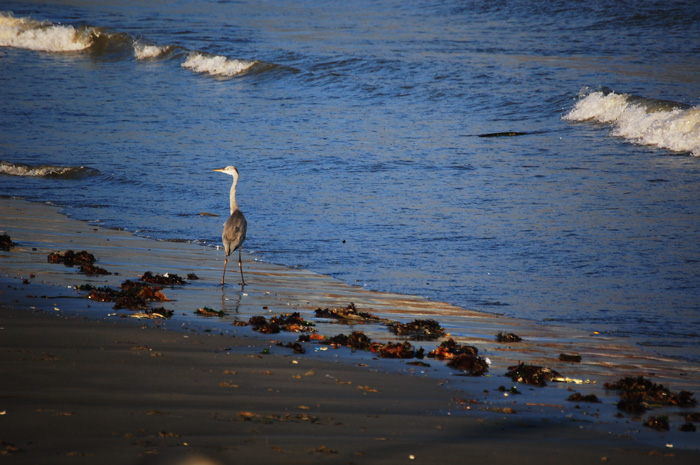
[81,385]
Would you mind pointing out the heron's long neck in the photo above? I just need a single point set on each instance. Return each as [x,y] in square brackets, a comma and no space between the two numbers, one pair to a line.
[234,205]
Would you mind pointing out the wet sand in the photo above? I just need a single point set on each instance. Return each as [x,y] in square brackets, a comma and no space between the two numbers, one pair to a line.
[83,385]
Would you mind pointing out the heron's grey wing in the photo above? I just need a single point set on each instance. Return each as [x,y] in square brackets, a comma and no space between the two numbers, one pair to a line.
[234,232]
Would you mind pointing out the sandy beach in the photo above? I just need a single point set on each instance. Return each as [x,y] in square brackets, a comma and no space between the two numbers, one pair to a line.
[82,384]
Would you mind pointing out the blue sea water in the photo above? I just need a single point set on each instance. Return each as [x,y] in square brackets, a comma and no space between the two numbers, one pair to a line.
[538,159]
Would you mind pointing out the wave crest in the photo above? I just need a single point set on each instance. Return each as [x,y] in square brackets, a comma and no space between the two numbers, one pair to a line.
[669,125]
[31,34]
[45,171]
[143,51]
[216,65]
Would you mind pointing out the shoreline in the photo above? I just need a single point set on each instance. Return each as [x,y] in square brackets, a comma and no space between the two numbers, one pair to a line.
[432,398]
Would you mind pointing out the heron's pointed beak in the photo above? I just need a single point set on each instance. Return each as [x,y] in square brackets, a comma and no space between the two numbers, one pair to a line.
[220,170]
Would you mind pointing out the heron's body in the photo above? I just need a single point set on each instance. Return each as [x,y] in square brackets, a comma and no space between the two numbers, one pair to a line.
[235,226]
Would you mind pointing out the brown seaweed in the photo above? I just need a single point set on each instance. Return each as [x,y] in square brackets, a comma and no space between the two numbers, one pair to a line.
[206,311]
[531,374]
[571,358]
[93,270]
[397,350]
[164,280]
[688,427]
[70,258]
[356,341]
[348,313]
[578,397]
[418,330]
[659,423]
[131,295]
[508,338]
[6,242]
[640,394]
[472,364]
[450,349]
[290,322]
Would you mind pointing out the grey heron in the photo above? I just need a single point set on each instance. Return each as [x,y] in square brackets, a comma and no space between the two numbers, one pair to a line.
[235,226]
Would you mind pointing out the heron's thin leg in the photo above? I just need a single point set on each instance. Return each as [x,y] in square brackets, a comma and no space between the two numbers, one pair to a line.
[223,275]
[240,266]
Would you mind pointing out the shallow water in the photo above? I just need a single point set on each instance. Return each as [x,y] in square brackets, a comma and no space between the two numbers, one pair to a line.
[356,126]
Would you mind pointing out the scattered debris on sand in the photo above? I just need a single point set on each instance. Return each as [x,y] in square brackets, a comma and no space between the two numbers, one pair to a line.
[531,374]
[507,338]
[418,330]
[151,314]
[639,394]
[6,242]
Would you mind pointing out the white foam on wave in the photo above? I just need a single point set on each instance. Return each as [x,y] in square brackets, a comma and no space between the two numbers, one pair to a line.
[43,171]
[676,129]
[216,65]
[30,34]
[147,51]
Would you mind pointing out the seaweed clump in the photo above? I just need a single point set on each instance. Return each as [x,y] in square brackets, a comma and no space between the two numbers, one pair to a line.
[531,374]
[397,350]
[291,322]
[450,349]
[639,394]
[131,295]
[571,358]
[578,397]
[472,364]
[359,341]
[659,423]
[418,330]
[70,258]
[6,242]
[507,338]
[163,280]
[85,260]
[350,313]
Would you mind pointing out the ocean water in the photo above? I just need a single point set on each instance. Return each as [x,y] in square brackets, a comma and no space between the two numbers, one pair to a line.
[537,159]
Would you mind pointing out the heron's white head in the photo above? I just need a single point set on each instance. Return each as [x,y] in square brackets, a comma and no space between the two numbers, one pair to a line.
[229,170]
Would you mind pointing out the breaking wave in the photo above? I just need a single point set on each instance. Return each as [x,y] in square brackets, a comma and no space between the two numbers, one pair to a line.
[216,65]
[143,51]
[669,125]
[43,36]
[45,171]
[31,34]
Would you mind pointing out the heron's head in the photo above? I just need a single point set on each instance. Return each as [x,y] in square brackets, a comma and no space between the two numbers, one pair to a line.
[228,170]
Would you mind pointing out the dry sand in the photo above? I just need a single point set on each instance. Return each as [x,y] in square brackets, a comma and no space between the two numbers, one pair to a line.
[79,386]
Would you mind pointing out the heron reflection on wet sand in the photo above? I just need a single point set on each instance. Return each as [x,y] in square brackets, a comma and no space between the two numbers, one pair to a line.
[235,226]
